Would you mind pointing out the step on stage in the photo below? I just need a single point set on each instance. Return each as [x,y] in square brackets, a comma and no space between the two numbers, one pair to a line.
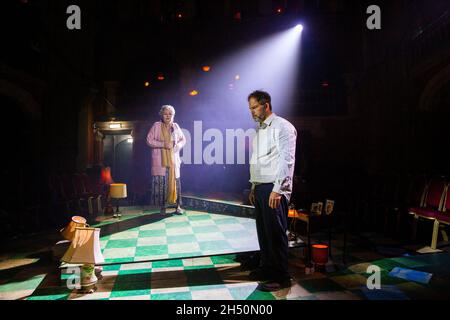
[208,227]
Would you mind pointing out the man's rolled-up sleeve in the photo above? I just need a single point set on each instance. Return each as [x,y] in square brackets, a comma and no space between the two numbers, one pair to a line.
[285,171]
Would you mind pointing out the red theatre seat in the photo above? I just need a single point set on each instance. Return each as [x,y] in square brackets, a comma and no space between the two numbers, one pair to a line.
[432,205]
[442,218]
[432,201]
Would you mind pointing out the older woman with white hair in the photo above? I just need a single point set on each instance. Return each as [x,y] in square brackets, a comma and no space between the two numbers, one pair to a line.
[166,140]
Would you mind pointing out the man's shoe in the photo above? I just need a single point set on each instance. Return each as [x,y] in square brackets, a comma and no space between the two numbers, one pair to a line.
[271,286]
[260,275]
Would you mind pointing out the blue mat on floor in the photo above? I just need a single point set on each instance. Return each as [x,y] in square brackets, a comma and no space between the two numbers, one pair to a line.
[411,275]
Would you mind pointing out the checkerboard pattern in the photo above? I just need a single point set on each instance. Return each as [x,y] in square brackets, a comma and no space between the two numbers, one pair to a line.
[191,234]
[132,276]
[221,278]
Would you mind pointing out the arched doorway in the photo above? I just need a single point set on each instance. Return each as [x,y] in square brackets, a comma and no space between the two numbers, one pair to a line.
[432,133]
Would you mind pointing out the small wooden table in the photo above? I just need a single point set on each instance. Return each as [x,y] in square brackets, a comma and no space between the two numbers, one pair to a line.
[309,219]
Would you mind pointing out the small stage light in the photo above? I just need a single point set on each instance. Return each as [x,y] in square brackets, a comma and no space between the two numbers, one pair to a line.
[193,93]
[160,77]
[147,83]
[206,68]
[179,15]
[115,125]
[325,84]
[279,10]
[299,28]
[130,140]
[237,77]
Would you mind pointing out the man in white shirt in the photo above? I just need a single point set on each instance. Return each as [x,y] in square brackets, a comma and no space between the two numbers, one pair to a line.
[271,172]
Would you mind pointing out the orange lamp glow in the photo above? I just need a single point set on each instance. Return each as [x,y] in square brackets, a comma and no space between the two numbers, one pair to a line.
[193,93]
[292,213]
[147,83]
[105,177]
[206,68]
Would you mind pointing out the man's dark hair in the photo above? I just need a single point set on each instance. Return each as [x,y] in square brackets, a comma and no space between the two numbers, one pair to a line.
[262,97]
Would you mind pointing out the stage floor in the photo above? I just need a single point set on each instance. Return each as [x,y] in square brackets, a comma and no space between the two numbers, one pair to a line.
[191,234]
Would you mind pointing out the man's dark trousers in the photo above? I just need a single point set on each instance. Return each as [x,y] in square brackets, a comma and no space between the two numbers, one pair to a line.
[271,226]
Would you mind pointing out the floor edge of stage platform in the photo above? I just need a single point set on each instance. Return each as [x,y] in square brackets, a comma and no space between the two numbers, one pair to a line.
[218,206]
[133,216]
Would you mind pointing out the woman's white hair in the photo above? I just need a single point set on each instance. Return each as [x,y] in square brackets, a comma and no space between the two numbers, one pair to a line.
[169,107]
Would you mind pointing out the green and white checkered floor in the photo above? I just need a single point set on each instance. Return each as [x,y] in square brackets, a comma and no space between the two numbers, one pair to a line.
[216,278]
[178,236]
[221,278]
[129,275]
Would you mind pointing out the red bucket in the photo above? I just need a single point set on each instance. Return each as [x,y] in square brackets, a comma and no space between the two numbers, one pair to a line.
[320,254]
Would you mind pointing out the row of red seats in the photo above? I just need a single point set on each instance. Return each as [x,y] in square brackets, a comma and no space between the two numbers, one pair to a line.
[76,193]
[378,202]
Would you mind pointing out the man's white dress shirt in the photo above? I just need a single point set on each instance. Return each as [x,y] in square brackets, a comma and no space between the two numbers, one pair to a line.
[273,155]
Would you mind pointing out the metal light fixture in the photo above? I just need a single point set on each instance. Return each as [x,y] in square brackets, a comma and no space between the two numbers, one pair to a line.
[115,125]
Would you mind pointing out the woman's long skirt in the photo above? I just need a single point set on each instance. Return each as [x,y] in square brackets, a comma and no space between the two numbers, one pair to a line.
[159,191]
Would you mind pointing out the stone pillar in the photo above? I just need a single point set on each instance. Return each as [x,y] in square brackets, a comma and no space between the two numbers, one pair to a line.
[110,89]
[98,148]
[141,160]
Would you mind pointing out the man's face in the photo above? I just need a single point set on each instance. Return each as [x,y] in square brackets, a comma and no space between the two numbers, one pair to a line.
[257,110]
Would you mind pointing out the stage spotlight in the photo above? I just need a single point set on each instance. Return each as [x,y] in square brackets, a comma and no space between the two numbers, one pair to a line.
[160,77]
[206,68]
[130,140]
[298,28]
[147,84]
[271,63]
[193,93]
